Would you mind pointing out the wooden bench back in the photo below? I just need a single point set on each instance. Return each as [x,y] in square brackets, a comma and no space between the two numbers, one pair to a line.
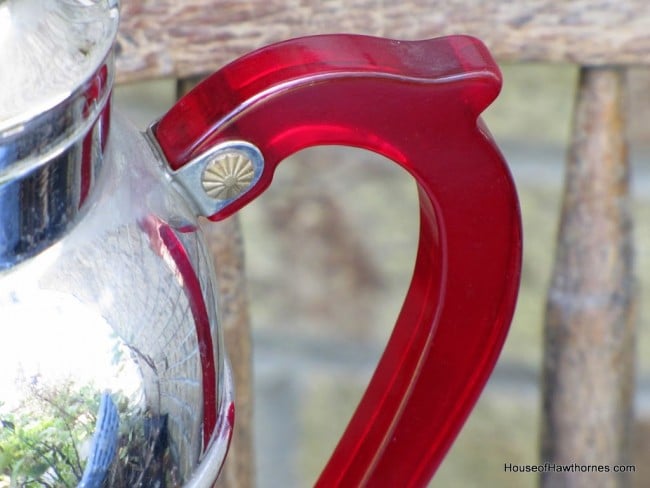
[589,326]
[164,38]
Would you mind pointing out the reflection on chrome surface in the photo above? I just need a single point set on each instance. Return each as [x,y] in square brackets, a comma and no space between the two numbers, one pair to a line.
[73,410]
[103,369]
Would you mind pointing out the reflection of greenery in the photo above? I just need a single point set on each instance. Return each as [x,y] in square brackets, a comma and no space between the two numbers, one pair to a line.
[41,441]
[143,459]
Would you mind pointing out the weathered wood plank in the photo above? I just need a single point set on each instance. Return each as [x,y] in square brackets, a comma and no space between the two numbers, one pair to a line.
[178,39]
[225,243]
[589,336]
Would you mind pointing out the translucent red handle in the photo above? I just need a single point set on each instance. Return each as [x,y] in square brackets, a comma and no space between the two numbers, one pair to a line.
[416,103]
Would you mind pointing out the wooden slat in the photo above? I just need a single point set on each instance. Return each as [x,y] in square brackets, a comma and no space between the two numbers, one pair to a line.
[589,336]
[179,39]
[225,243]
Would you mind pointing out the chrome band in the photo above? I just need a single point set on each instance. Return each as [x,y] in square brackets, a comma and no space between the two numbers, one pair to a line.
[48,167]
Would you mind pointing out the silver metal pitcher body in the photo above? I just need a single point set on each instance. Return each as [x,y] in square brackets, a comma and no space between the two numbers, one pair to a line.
[112,371]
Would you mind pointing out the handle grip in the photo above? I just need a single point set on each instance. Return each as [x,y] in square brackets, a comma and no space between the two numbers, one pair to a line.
[416,103]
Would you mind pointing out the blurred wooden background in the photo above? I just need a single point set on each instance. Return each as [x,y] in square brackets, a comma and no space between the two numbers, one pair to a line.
[589,365]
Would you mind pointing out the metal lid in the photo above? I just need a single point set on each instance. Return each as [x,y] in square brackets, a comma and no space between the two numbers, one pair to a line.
[48,50]
[56,75]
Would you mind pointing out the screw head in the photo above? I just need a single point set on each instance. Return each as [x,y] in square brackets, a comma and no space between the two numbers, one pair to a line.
[228,175]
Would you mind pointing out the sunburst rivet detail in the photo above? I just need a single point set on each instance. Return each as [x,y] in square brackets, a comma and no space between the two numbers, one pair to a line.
[228,175]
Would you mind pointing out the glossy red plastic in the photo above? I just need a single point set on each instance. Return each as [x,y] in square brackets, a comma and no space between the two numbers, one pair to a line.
[416,103]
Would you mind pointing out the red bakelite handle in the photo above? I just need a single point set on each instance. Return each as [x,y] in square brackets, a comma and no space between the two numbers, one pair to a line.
[416,103]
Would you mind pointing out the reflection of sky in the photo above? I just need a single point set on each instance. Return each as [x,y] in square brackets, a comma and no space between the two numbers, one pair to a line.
[55,337]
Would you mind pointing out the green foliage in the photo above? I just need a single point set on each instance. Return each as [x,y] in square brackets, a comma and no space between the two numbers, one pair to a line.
[40,440]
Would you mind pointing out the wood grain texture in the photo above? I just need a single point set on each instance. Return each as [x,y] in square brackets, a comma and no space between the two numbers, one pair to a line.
[164,38]
[225,243]
[588,375]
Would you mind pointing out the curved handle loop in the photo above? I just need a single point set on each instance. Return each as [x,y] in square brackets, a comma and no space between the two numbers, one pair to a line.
[416,103]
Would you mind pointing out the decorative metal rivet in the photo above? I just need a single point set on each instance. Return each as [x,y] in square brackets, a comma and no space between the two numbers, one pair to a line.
[228,175]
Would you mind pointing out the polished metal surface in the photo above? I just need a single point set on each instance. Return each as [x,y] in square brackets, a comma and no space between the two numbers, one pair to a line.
[48,50]
[40,202]
[56,74]
[112,371]
[217,177]
[118,323]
